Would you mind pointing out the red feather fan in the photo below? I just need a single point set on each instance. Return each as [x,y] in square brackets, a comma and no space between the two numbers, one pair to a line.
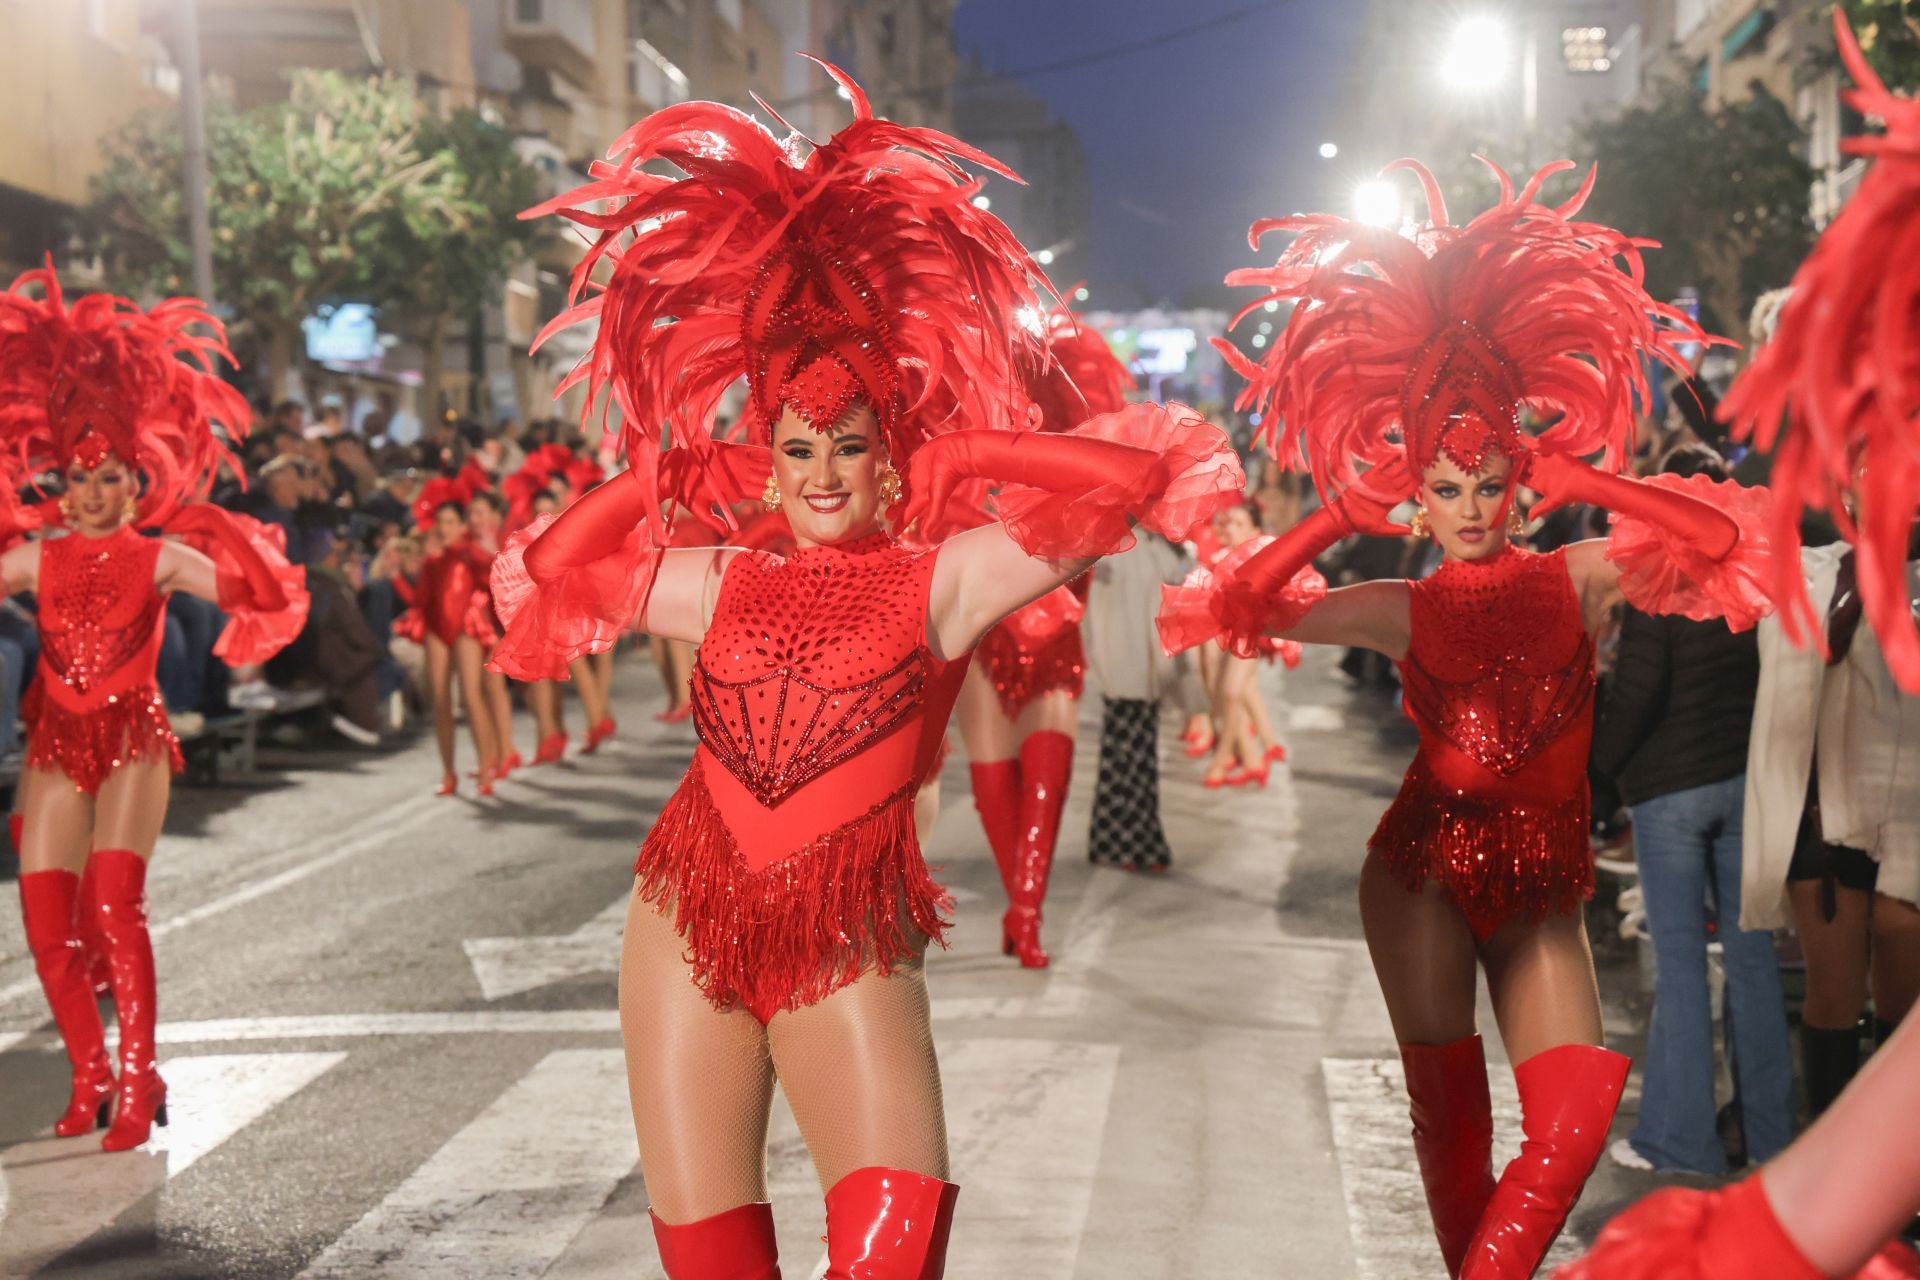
[1839,384]
[1083,379]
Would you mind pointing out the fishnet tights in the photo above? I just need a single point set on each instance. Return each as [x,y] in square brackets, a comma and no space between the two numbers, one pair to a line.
[858,1069]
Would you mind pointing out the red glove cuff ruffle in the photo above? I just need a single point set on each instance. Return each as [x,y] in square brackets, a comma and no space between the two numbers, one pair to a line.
[1210,605]
[252,634]
[1197,475]
[1663,571]
[582,610]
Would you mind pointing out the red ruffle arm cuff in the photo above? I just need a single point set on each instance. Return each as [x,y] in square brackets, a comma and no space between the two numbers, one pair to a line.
[1202,607]
[578,609]
[264,597]
[1663,569]
[1182,471]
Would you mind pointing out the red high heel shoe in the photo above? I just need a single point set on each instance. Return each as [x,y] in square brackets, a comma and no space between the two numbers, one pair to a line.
[1276,754]
[552,748]
[48,906]
[736,1245]
[1452,1137]
[512,762]
[140,1101]
[1197,747]
[488,776]
[449,784]
[1248,776]
[1020,937]
[1217,777]
[604,730]
[888,1224]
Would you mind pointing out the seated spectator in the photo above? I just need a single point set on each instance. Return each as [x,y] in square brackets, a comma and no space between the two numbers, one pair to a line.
[392,502]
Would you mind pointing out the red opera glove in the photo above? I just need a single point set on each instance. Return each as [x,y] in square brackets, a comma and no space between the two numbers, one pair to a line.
[593,527]
[264,597]
[1278,586]
[1077,494]
[1691,546]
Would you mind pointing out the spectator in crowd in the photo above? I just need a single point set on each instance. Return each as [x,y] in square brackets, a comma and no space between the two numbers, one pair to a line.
[1126,663]
[19,648]
[1672,732]
[392,501]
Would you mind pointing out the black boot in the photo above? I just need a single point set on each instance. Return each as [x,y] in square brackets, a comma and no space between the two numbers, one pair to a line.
[1828,1059]
[1882,1031]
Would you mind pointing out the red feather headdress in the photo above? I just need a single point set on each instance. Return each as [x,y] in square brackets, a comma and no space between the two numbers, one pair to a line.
[1437,343]
[1083,379]
[863,272]
[1842,377]
[101,377]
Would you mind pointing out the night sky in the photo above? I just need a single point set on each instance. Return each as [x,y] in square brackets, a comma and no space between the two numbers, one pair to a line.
[1187,142]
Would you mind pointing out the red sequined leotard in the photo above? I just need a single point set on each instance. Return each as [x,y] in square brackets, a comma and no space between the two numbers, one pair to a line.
[1036,649]
[451,598]
[788,853]
[94,705]
[1499,680]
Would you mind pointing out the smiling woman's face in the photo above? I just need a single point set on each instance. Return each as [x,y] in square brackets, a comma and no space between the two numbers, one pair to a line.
[1466,511]
[829,482]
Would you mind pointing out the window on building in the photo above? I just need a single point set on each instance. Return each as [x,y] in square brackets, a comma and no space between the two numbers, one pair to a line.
[1586,50]
[528,11]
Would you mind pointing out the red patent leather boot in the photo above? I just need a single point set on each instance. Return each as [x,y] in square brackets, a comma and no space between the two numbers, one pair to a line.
[48,906]
[120,881]
[888,1224]
[1046,763]
[736,1245]
[996,796]
[99,973]
[1452,1136]
[1567,1099]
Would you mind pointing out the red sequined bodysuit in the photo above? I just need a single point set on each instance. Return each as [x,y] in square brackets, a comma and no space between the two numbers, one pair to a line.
[94,705]
[788,853]
[1037,648]
[1499,680]
[451,597]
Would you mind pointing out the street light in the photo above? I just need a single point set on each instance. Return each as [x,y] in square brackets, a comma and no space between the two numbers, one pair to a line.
[1376,202]
[1044,257]
[1328,150]
[1477,56]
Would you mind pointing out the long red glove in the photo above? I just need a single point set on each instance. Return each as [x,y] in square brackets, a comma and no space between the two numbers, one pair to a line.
[592,528]
[246,580]
[1052,461]
[1562,480]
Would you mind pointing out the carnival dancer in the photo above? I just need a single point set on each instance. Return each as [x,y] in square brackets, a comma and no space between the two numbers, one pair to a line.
[1834,390]
[452,616]
[781,905]
[1020,704]
[1425,360]
[113,396]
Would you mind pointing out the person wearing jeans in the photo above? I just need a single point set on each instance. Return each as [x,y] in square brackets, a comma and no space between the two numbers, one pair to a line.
[1672,732]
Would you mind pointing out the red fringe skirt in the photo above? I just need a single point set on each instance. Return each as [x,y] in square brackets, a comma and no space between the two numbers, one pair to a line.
[88,746]
[856,899]
[1021,673]
[1496,857]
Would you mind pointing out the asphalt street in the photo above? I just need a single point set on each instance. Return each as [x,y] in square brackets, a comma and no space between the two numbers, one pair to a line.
[388,1027]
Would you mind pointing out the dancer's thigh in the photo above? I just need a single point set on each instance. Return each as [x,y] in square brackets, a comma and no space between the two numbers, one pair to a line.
[1423,955]
[701,1080]
[860,1073]
[1055,711]
[984,728]
[1544,991]
[132,807]
[56,822]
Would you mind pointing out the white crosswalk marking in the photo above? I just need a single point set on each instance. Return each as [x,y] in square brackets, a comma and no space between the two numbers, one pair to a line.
[507,1194]
[1386,1205]
[59,1191]
[509,966]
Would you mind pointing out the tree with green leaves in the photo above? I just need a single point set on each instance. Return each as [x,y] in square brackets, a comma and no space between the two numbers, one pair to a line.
[1889,34]
[428,271]
[300,193]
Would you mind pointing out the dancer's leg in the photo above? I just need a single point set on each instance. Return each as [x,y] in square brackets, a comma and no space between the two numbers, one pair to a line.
[1239,695]
[127,820]
[993,746]
[470,666]
[1896,958]
[701,1081]
[440,687]
[1836,953]
[55,832]
[543,701]
[500,705]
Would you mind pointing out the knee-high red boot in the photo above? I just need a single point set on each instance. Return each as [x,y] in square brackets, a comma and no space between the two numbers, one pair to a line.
[48,906]
[1452,1136]
[736,1245]
[1046,763]
[99,972]
[1567,1099]
[888,1224]
[120,886]
[996,795]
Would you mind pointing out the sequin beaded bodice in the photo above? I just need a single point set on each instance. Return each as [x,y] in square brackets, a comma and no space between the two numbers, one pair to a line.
[811,659]
[99,613]
[1500,664]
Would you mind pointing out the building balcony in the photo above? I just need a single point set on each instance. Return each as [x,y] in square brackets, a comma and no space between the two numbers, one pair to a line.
[556,35]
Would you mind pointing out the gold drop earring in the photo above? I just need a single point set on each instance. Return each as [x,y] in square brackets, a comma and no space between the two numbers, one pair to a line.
[770,496]
[890,486]
[1418,525]
[1516,523]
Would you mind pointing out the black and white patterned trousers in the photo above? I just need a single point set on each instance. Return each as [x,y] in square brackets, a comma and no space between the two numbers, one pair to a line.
[1126,828]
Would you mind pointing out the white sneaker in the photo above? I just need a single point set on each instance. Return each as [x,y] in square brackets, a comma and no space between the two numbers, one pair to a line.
[1626,1157]
[186,724]
[253,695]
[353,732]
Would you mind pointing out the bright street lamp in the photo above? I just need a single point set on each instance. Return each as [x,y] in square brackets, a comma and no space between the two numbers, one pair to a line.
[1044,257]
[1376,202]
[1328,150]
[1477,56]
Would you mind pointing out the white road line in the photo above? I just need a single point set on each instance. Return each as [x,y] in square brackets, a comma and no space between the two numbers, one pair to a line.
[1386,1205]
[8,1039]
[509,966]
[59,1191]
[1316,718]
[507,1194]
[383,831]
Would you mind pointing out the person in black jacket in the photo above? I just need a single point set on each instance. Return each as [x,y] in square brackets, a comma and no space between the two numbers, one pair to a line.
[1672,732]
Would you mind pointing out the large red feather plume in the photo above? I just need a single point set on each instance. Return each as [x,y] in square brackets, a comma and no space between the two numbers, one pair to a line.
[1445,341]
[103,376]
[1083,378]
[1838,387]
[859,269]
